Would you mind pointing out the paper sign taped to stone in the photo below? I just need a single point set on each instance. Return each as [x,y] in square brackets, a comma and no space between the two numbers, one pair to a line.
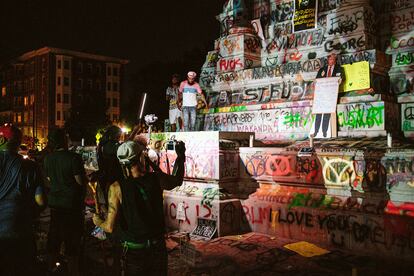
[326,95]
[205,229]
[356,76]
[180,211]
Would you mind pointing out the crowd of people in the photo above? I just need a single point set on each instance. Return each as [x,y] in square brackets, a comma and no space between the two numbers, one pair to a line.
[130,210]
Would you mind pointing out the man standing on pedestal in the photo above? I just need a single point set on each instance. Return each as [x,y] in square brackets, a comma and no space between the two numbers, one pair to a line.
[172,97]
[327,71]
[189,89]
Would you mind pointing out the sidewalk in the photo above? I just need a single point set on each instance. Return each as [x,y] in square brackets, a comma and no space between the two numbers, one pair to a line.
[247,254]
[258,254]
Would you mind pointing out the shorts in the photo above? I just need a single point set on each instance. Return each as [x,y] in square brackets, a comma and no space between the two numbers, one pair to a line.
[174,115]
[65,227]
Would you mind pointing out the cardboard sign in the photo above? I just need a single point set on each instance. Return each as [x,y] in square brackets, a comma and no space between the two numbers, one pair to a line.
[305,15]
[356,76]
[326,95]
[205,229]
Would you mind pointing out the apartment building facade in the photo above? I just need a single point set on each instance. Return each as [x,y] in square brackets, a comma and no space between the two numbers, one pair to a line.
[40,87]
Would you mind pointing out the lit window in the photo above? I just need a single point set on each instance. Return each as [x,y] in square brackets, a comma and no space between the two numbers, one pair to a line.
[26,101]
[3,91]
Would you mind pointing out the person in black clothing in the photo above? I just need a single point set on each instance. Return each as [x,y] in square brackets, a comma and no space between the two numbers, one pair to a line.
[135,213]
[21,189]
[65,172]
[330,70]
[109,167]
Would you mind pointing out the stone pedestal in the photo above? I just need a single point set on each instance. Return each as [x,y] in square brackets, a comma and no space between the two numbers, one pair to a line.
[211,179]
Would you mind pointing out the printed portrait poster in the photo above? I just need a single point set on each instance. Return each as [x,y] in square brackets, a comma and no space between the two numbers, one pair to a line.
[324,106]
[305,15]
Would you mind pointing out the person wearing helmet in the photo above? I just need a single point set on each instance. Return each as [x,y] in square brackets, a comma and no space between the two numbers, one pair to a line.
[135,214]
[21,189]
[189,90]
[66,175]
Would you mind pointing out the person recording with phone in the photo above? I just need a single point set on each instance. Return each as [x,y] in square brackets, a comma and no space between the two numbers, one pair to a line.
[135,214]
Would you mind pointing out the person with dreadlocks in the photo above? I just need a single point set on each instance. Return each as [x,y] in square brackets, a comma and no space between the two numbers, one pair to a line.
[65,172]
[135,213]
[21,190]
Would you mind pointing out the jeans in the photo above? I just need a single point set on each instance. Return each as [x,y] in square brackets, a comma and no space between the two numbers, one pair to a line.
[189,114]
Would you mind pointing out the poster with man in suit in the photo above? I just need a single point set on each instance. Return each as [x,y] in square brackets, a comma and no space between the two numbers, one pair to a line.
[331,69]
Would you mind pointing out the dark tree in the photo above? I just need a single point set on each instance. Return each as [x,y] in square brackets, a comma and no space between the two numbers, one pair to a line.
[87,116]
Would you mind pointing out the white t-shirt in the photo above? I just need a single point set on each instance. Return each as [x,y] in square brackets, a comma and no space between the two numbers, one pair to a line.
[190,93]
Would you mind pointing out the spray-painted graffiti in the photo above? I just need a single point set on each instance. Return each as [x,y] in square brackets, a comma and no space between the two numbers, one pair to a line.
[399,167]
[211,59]
[201,162]
[401,43]
[344,44]
[296,40]
[338,172]
[349,58]
[275,92]
[402,21]
[283,121]
[350,20]
[404,59]
[278,167]
[407,117]
[361,116]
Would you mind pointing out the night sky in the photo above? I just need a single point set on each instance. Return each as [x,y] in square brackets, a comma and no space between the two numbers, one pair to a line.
[158,37]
